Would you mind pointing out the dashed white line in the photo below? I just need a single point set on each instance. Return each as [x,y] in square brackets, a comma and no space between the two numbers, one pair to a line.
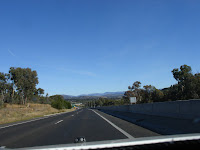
[116,127]
[58,121]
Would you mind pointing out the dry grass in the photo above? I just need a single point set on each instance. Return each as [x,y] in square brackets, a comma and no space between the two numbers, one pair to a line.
[13,113]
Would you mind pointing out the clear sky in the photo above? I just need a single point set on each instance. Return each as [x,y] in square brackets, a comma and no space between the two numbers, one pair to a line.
[80,47]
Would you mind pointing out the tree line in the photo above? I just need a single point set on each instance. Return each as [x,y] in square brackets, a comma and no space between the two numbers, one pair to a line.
[187,87]
[18,86]
[104,102]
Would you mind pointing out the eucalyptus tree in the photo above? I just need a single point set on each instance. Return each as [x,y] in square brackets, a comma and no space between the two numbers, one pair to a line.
[25,81]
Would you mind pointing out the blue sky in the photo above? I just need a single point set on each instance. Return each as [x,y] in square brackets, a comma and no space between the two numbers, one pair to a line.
[80,47]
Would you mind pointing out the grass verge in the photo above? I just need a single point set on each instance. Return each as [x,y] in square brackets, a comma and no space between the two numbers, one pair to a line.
[13,113]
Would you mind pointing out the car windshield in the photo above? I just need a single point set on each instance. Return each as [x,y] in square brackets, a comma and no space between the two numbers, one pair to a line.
[74,71]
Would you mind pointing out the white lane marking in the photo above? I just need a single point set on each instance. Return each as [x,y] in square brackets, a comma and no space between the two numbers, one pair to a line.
[58,121]
[116,127]
[72,115]
[31,120]
[52,114]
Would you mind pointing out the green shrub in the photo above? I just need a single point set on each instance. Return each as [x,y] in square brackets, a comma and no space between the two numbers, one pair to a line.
[60,103]
[69,106]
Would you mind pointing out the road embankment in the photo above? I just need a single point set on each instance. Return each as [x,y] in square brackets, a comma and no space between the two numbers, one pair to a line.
[14,113]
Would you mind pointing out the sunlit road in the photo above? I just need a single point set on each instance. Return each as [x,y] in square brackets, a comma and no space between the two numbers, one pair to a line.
[63,129]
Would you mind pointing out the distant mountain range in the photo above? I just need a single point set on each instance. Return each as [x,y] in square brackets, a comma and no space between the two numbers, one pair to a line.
[96,95]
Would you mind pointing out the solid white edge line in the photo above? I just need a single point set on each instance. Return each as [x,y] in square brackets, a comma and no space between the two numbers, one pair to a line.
[116,127]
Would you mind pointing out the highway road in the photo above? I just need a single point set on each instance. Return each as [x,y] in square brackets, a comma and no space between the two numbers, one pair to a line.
[64,128]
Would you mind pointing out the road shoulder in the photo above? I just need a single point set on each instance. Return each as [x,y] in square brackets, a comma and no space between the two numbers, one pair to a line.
[134,130]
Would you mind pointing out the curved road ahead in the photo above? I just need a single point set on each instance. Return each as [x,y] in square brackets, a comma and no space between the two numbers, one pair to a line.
[64,128]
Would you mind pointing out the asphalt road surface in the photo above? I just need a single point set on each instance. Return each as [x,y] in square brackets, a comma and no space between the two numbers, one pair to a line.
[64,128]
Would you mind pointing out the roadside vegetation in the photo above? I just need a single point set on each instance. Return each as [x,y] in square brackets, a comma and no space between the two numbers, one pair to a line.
[21,100]
[59,102]
[187,87]
[13,112]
